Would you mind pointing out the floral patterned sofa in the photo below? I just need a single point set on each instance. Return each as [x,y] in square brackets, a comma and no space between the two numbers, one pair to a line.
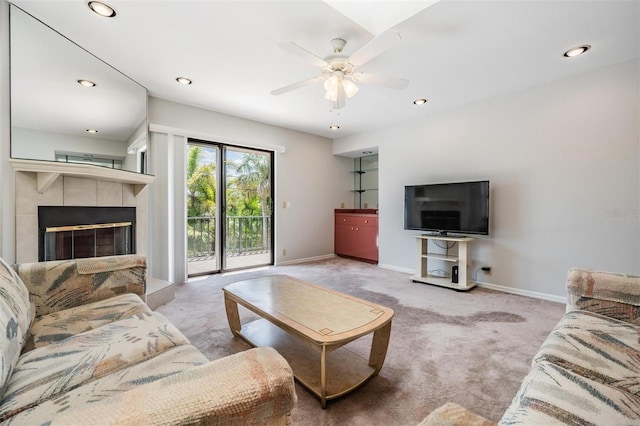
[79,346]
[587,371]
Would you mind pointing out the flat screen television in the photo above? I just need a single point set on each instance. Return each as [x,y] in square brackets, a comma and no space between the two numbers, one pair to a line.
[457,207]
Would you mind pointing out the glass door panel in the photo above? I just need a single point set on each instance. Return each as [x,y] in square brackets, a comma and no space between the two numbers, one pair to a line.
[202,209]
[248,212]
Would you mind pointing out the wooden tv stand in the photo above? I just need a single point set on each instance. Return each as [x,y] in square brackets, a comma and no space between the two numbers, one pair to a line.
[462,260]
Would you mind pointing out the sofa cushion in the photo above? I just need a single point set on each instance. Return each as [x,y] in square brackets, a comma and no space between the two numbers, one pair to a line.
[253,387]
[552,395]
[16,315]
[609,293]
[165,364]
[49,371]
[63,284]
[60,325]
[451,414]
[97,265]
[597,347]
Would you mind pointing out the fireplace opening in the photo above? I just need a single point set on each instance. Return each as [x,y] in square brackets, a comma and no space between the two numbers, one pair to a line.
[80,232]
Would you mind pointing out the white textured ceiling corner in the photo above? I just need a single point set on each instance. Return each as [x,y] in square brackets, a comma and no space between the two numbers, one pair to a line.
[377,17]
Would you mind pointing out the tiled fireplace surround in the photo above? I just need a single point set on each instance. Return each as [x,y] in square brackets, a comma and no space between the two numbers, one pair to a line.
[71,191]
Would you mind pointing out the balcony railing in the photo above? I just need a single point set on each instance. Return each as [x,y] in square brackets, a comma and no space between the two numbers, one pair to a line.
[244,235]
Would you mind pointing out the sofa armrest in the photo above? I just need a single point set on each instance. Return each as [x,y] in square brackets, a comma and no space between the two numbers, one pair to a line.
[63,284]
[607,293]
[250,387]
[452,414]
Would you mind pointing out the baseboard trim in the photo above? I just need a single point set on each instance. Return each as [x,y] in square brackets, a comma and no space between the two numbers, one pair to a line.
[305,259]
[490,286]
[521,292]
[396,269]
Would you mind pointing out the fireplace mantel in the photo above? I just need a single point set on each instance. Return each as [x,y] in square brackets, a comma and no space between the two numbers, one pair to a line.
[48,172]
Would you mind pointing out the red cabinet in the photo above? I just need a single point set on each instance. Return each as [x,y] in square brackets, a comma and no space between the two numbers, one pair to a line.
[356,235]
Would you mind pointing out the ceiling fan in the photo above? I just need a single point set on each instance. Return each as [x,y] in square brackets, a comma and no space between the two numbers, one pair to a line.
[338,71]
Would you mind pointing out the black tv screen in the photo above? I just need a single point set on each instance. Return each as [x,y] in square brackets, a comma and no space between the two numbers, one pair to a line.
[459,208]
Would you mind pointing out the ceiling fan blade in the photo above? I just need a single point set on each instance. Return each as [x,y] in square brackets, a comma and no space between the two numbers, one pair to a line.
[380,80]
[375,47]
[297,85]
[297,50]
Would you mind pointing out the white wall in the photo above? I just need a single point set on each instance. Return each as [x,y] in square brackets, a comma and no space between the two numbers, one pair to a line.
[563,160]
[307,176]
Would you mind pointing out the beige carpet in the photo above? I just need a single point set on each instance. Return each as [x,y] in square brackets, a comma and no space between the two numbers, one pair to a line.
[472,348]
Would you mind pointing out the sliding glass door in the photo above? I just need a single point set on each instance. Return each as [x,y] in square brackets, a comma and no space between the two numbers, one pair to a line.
[248,208]
[229,208]
[202,209]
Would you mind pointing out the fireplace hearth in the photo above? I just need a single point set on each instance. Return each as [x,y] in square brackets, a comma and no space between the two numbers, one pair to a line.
[79,232]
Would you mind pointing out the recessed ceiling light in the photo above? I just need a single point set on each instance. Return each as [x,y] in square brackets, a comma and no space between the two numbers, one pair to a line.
[102,9]
[420,101]
[367,152]
[91,131]
[86,83]
[183,80]
[578,50]
[334,127]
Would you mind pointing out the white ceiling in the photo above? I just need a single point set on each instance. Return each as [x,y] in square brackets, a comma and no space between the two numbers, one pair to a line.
[452,52]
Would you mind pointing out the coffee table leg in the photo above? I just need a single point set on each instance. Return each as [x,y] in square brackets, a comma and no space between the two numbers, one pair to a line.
[232,315]
[323,377]
[379,347]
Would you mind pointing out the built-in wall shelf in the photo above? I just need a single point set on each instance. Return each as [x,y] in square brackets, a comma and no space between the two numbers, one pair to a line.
[49,171]
[365,183]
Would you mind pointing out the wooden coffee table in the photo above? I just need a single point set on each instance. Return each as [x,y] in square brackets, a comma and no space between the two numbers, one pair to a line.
[309,325]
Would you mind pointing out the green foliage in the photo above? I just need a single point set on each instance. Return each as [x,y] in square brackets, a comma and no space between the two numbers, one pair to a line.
[201,185]
[249,189]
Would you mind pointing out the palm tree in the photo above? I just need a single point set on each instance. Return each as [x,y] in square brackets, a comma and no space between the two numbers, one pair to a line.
[201,184]
[253,175]
[201,195]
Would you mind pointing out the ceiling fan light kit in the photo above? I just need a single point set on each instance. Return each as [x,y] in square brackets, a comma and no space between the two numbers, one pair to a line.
[337,86]
[349,87]
[338,70]
[336,97]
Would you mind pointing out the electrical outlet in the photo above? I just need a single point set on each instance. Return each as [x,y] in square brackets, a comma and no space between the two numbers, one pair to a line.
[284,252]
[486,270]
[342,205]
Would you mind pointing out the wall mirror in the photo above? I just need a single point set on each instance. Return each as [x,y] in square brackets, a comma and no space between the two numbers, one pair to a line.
[67,105]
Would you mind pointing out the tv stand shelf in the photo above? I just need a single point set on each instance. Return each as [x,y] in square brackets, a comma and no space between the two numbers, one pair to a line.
[462,260]
[440,256]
